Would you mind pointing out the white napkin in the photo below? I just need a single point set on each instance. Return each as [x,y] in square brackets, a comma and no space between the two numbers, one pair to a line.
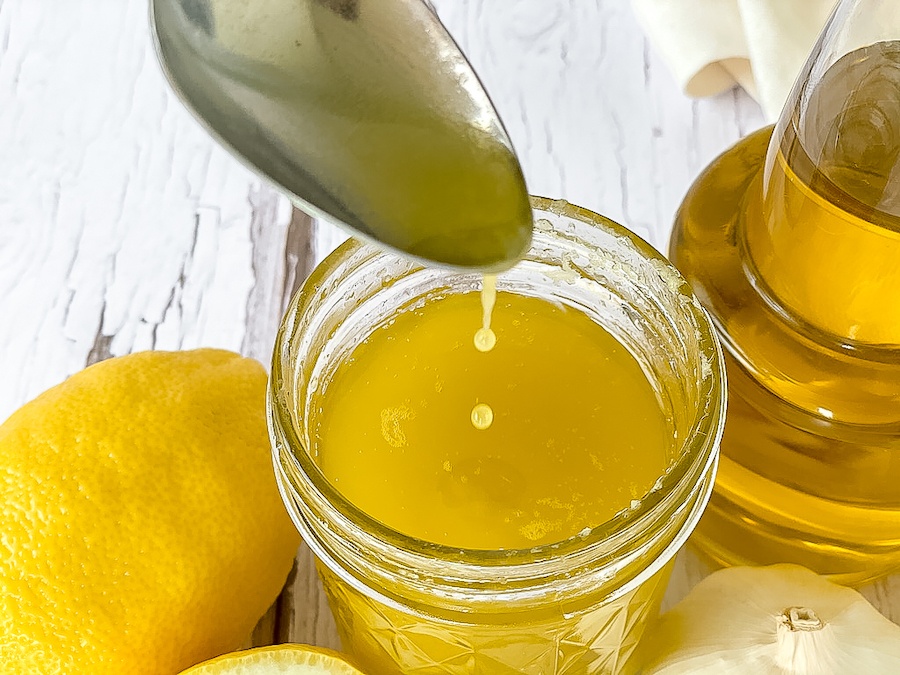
[713,45]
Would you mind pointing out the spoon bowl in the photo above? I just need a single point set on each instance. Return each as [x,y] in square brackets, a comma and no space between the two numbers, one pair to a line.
[364,112]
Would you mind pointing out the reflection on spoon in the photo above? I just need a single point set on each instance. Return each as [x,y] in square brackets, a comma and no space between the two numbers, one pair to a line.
[364,111]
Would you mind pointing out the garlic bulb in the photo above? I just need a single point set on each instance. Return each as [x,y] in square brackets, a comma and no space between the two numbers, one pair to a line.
[778,620]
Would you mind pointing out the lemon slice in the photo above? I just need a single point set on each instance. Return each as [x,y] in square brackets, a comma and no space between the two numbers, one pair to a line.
[280,659]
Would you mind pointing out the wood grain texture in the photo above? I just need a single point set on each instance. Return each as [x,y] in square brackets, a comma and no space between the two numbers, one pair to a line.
[124,227]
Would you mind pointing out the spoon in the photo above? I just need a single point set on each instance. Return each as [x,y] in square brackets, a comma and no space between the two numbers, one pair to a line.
[364,112]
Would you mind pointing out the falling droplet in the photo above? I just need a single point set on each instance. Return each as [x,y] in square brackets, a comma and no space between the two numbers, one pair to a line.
[485,339]
[482,416]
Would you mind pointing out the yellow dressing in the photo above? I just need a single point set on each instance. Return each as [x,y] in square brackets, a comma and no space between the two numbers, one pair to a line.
[552,432]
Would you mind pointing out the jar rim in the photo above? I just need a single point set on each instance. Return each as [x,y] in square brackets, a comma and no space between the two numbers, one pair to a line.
[695,457]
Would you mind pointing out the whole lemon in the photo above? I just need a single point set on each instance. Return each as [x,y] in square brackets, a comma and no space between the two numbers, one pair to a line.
[141,530]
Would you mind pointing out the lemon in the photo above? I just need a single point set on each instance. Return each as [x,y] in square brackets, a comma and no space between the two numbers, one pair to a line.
[280,659]
[141,530]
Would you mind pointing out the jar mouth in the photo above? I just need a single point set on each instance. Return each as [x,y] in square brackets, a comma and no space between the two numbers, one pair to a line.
[581,246]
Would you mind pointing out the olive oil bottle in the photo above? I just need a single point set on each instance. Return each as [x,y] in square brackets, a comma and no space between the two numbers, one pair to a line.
[792,240]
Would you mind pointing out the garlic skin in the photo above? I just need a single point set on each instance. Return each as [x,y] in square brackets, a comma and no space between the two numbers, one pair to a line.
[777,620]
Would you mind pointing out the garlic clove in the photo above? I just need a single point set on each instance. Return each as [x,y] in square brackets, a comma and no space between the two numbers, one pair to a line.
[778,620]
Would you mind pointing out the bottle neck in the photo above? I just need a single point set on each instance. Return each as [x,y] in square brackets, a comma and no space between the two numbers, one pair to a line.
[825,241]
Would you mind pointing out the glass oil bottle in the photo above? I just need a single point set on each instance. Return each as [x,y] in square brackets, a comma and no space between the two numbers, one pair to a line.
[792,240]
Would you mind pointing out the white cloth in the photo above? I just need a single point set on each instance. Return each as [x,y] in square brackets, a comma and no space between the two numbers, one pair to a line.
[713,45]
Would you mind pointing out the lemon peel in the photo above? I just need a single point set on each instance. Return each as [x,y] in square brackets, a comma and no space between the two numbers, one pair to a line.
[142,530]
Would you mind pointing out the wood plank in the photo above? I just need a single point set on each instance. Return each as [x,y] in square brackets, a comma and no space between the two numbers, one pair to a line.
[305,616]
[266,630]
[123,226]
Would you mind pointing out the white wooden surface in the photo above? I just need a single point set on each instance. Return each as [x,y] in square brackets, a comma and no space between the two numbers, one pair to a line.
[123,227]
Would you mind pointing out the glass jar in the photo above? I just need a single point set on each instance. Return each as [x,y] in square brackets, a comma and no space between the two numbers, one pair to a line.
[577,606]
[791,238]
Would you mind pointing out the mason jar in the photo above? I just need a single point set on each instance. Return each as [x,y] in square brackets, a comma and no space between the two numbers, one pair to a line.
[404,605]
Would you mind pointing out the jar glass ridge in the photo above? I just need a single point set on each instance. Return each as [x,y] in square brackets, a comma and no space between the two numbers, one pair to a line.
[454,609]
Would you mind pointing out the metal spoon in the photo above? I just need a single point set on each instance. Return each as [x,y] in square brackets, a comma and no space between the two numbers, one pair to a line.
[364,111]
